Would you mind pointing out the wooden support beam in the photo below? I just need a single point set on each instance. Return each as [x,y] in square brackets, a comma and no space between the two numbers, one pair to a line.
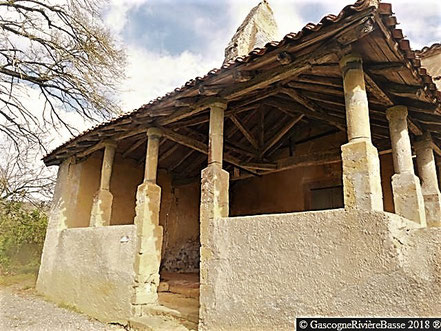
[168,152]
[200,147]
[182,160]
[378,91]
[310,105]
[187,112]
[261,126]
[279,135]
[133,147]
[384,68]
[294,109]
[247,134]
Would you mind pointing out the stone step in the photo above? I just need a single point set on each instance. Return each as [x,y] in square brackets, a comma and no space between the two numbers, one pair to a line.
[178,306]
[156,323]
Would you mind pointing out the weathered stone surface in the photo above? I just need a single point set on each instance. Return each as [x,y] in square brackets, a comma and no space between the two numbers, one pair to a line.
[429,180]
[101,209]
[258,28]
[148,245]
[91,269]
[267,270]
[214,204]
[356,101]
[361,176]
[408,199]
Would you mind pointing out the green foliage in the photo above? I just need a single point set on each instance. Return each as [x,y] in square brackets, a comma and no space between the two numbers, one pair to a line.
[22,233]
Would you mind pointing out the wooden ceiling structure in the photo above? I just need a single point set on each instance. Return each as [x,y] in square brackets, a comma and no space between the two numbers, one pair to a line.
[287,93]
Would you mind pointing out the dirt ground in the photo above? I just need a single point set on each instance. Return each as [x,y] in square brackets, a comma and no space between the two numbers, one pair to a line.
[22,309]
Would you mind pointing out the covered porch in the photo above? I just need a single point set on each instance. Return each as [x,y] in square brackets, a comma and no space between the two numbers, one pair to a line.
[338,116]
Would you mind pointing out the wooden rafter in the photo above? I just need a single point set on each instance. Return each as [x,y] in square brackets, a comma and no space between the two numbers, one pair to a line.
[182,160]
[312,106]
[168,152]
[280,133]
[200,147]
[247,133]
[134,147]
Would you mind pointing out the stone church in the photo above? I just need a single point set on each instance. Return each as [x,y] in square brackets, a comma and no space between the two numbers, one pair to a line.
[299,179]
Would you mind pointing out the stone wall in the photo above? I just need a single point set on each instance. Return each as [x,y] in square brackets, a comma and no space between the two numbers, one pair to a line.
[90,269]
[268,270]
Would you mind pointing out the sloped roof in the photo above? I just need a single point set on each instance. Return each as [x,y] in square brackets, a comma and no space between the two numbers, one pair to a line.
[166,106]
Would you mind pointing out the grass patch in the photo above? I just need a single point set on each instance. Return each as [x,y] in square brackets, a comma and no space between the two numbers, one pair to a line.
[25,280]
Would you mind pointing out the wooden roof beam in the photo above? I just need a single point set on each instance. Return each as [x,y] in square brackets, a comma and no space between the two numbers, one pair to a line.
[309,104]
[200,147]
[280,133]
[133,147]
[247,133]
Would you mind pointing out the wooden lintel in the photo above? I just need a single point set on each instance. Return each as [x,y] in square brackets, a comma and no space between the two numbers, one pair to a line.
[184,113]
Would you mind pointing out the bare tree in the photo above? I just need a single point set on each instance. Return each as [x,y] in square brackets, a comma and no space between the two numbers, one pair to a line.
[22,177]
[63,50]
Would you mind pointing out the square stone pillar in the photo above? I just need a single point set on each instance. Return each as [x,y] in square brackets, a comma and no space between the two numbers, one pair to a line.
[361,164]
[102,202]
[408,199]
[429,179]
[149,232]
[214,204]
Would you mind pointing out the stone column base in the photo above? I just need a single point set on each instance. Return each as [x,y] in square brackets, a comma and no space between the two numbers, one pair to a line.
[361,176]
[432,204]
[214,204]
[408,199]
[149,244]
[101,209]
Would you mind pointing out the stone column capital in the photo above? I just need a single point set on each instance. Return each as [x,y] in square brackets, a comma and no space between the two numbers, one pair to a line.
[423,141]
[109,144]
[221,105]
[351,61]
[396,113]
[154,132]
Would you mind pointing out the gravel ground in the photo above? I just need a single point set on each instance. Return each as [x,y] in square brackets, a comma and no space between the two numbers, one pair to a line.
[22,310]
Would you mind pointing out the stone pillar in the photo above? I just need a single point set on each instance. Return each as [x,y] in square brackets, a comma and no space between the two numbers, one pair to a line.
[408,199]
[102,202]
[148,231]
[361,165]
[214,204]
[429,179]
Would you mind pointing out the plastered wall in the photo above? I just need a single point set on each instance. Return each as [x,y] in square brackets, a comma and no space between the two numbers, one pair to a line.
[127,174]
[288,191]
[90,269]
[179,217]
[267,270]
